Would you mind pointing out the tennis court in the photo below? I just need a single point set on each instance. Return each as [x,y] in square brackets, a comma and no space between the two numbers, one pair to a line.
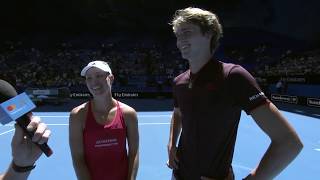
[154,130]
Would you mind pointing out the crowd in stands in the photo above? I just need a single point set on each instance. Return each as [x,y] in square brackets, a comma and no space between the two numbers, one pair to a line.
[293,64]
[137,65]
[253,56]
[266,61]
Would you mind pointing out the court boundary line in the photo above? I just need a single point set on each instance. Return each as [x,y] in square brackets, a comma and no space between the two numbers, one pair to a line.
[66,124]
[159,115]
[241,166]
[6,132]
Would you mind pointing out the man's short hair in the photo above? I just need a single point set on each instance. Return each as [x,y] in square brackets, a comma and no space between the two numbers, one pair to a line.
[206,20]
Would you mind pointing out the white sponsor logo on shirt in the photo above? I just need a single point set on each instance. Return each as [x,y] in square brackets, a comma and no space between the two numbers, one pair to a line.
[106,142]
[251,98]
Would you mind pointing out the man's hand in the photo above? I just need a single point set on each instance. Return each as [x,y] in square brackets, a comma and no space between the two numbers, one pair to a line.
[24,152]
[173,161]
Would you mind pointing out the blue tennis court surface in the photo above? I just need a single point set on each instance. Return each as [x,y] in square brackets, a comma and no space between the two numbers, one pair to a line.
[154,130]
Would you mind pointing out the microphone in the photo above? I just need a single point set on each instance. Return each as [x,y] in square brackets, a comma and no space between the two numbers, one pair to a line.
[15,107]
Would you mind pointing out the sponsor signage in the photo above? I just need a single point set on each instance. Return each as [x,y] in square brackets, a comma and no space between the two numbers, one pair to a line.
[285,98]
[130,95]
[313,102]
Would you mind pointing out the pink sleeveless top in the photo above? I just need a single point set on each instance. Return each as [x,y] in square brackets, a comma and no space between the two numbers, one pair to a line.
[105,147]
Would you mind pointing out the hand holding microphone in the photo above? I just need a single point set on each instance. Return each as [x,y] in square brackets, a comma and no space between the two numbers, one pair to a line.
[18,108]
[24,150]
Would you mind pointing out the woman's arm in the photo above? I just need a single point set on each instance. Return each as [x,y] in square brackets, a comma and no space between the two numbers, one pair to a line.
[131,121]
[76,143]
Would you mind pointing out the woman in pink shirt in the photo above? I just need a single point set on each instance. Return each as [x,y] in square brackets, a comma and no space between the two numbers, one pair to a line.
[100,129]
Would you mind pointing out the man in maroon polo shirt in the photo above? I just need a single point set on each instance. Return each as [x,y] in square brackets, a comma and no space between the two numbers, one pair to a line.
[208,99]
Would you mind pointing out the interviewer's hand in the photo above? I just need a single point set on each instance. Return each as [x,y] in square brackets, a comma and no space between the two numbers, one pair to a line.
[24,152]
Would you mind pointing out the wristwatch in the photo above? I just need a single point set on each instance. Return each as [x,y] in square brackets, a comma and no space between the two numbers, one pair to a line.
[22,169]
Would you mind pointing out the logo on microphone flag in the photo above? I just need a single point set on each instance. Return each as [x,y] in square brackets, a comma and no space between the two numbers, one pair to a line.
[11,107]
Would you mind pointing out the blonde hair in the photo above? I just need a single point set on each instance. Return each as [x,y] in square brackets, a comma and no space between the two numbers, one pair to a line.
[206,20]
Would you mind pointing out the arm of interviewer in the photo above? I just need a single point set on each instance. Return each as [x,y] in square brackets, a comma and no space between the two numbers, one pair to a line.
[24,152]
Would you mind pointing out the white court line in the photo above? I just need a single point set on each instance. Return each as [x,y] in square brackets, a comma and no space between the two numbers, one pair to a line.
[53,116]
[241,167]
[140,124]
[57,124]
[66,124]
[162,115]
[6,132]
